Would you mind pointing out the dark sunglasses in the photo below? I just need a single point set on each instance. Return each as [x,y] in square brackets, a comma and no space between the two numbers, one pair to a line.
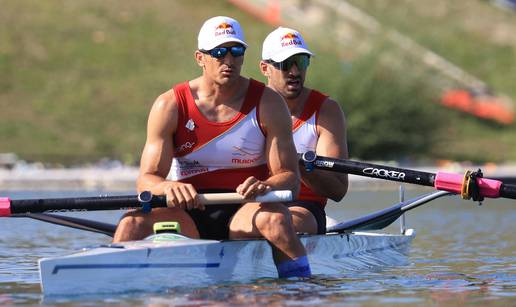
[301,60]
[220,52]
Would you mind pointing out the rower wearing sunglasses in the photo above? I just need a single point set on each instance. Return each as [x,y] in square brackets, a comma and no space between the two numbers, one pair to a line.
[221,132]
[318,125]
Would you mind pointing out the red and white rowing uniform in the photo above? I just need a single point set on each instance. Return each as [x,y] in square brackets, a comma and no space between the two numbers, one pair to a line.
[304,131]
[218,155]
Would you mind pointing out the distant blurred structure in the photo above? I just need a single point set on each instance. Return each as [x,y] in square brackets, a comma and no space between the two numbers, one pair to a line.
[8,160]
[479,104]
[466,93]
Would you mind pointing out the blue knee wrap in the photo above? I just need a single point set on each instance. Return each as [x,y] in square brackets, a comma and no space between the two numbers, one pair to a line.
[298,267]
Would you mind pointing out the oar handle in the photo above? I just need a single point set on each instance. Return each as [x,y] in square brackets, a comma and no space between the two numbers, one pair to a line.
[235,198]
[9,207]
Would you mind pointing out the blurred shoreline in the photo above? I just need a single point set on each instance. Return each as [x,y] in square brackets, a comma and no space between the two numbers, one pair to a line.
[118,177]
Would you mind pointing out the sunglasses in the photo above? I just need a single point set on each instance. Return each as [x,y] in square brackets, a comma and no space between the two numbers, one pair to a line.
[301,60]
[220,52]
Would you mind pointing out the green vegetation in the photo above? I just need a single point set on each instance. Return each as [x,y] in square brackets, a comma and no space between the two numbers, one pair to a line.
[474,35]
[479,38]
[77,79]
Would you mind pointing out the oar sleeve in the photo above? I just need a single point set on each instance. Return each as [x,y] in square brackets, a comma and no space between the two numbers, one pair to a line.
[452,182]
[5,206]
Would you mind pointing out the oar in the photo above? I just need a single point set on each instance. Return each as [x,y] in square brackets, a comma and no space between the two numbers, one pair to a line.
[466,185]
[144,200]
[73,222]
[383,218]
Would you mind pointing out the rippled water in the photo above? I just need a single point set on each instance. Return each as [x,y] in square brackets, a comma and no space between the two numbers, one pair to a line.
[462,254]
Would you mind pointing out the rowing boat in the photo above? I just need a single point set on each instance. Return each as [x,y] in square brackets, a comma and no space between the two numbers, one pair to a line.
[165,261]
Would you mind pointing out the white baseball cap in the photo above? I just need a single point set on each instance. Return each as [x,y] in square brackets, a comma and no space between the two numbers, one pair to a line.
[219,30]
[283,43]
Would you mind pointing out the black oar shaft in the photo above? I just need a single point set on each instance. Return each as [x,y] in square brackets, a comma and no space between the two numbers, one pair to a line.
[73,222]
[451,182]
[144,200]
[508,191]
[375,171]
[81,204]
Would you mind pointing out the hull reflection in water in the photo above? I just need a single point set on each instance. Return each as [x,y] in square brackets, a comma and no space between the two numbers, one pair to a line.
[166,261]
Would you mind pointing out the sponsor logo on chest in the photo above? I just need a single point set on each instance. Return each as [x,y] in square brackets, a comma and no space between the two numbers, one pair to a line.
[192,167]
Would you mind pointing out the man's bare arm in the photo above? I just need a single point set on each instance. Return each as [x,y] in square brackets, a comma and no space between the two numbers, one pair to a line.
[158,153]
[332,143]
[280,149]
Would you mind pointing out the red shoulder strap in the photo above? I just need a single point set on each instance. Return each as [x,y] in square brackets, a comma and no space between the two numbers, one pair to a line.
[182,92]
[313,105]
[253,96]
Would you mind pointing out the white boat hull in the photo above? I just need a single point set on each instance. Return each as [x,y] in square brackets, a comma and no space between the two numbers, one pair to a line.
[154,266]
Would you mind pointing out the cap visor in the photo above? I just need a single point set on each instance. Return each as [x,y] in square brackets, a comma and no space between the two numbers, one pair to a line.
[223,41]
[282,56]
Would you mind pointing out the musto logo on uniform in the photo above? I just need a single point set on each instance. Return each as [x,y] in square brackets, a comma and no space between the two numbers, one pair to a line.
[248,154]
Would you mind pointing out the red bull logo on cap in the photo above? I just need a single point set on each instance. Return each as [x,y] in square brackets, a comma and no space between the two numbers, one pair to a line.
[224,29]
[290,39]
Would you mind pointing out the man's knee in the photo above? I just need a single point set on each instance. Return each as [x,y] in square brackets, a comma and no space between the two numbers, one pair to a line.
[132,221]
[304,221]
[273,222]
[131,227]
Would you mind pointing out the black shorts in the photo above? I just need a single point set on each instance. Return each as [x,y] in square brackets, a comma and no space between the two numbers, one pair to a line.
[316,209]
[213,222]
